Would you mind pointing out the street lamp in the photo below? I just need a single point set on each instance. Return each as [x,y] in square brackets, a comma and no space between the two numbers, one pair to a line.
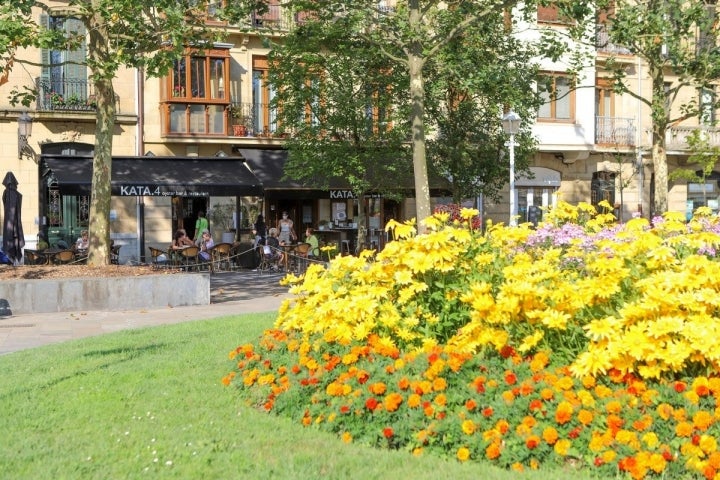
[24,131]
[511,125]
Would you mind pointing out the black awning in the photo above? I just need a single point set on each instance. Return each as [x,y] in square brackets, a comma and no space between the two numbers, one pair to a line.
[268,165]
[158,176]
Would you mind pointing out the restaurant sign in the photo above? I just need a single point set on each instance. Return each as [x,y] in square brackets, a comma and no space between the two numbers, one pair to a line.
[348,194]
[155,191]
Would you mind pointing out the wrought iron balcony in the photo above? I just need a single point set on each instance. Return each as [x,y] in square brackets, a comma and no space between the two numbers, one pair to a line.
[253,120]
[614,131]
[65,95]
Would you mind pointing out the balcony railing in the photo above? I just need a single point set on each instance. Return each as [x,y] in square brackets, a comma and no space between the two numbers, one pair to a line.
[603,44]
[65,95]
[253,120]
[615,131]
[676,137]
[276,18]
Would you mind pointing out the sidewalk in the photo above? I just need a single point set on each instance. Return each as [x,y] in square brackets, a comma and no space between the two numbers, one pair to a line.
[232,293]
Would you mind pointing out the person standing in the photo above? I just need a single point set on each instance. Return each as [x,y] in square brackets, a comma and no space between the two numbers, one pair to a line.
[201,224]
[286,231]
[260,230]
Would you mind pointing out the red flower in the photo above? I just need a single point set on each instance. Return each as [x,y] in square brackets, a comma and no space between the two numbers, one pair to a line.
[574,433]
[470,405]
[598,461]
[344,409]
[680,387]
[536,405]
[487,412]
[532,442]
[510,378]
[371,404]
[507,351]
[388,432]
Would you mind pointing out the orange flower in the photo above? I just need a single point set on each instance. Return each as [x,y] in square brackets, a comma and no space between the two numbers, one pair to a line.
[532,442]
[535,405]
[563,413]
[585,417]
[439,384]
[614,422]
[414,400]
[510,378]
[546,394]
[492,451]
[487,412]
[470,405]
[377,388]
[550,435]
[346,437]
[701,386]
[613,407]
[392,402]
[702,420]
[404,383]
[508,396]
[441,400]
[463,454]
[684,429]
[502,426]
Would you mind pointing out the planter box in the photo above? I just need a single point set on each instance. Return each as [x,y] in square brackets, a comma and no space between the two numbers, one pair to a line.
[106,293]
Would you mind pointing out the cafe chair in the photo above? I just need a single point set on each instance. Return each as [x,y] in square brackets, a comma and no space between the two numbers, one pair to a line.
[33,257]
[300,256]
[158,257]
[63,257]
[190,257]
[268,259]
[220,256]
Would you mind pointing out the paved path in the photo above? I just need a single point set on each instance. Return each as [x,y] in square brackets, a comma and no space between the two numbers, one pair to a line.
[231,293]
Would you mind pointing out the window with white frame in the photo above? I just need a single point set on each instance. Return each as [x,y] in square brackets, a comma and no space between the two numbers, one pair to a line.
[558,98]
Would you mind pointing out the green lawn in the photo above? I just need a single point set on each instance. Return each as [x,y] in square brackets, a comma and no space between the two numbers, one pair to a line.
[149,404]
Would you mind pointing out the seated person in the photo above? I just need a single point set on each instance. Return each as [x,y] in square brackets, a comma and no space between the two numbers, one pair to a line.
[42,243]
[312,239]
[206,243]
[272,247]
[82,243]
[180,241]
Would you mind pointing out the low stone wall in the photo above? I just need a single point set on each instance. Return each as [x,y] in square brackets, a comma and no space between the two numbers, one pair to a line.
[105,293]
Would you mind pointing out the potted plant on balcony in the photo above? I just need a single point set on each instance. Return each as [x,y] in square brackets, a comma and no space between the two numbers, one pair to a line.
[239,125]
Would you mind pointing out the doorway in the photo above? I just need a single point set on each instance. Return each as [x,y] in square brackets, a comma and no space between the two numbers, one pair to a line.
[185,211]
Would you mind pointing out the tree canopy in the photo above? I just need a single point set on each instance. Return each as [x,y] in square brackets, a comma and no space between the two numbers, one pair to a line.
[120,33]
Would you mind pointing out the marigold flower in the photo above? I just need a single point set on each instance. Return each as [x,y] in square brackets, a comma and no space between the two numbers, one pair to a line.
[701,386]
[510,378]
[388,432]
[708,444]
[684,429]
[468,427]
[414,400]
[392,402]
[562,446]
[547,394]
[613,407]
[535,405]
[377,388]
[404,383]
[502,426]
[372,404]
[550,435]
[439,384]
[492,451]
[585,417]
[614,422]
[664,411]
[441,400]
[487,412]
[508,396]
[347,437]
[463,454]
[470,405]
[608,456]
[563,413]
[702,420]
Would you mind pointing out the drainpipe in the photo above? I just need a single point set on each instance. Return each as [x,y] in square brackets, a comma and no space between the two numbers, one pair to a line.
[140,135]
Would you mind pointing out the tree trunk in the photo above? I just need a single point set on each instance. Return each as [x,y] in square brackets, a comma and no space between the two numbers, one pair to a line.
[417,113]
[99,229]
[660,115]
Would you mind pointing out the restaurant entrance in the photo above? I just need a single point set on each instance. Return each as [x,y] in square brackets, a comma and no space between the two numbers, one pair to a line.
[185,211]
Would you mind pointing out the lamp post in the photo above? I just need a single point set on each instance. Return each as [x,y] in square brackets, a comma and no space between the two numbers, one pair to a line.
[24,131]
[511,125]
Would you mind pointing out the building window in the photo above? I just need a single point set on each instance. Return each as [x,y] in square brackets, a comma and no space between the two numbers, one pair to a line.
[63,83]
[559,98]
[703,194]
[263,94]
[197,100]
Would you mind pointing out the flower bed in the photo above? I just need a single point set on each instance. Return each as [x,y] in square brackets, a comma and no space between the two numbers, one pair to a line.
[583,343]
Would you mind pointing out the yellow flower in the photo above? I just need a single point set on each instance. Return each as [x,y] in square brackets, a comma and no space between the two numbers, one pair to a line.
[562,446]
[463,454]
[468,427]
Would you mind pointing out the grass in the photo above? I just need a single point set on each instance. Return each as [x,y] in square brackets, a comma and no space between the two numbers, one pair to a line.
[148,403]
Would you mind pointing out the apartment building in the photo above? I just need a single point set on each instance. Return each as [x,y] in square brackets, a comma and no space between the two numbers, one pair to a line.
[203,138]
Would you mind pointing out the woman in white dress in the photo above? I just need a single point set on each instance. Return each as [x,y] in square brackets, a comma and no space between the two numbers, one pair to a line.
[285,228]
